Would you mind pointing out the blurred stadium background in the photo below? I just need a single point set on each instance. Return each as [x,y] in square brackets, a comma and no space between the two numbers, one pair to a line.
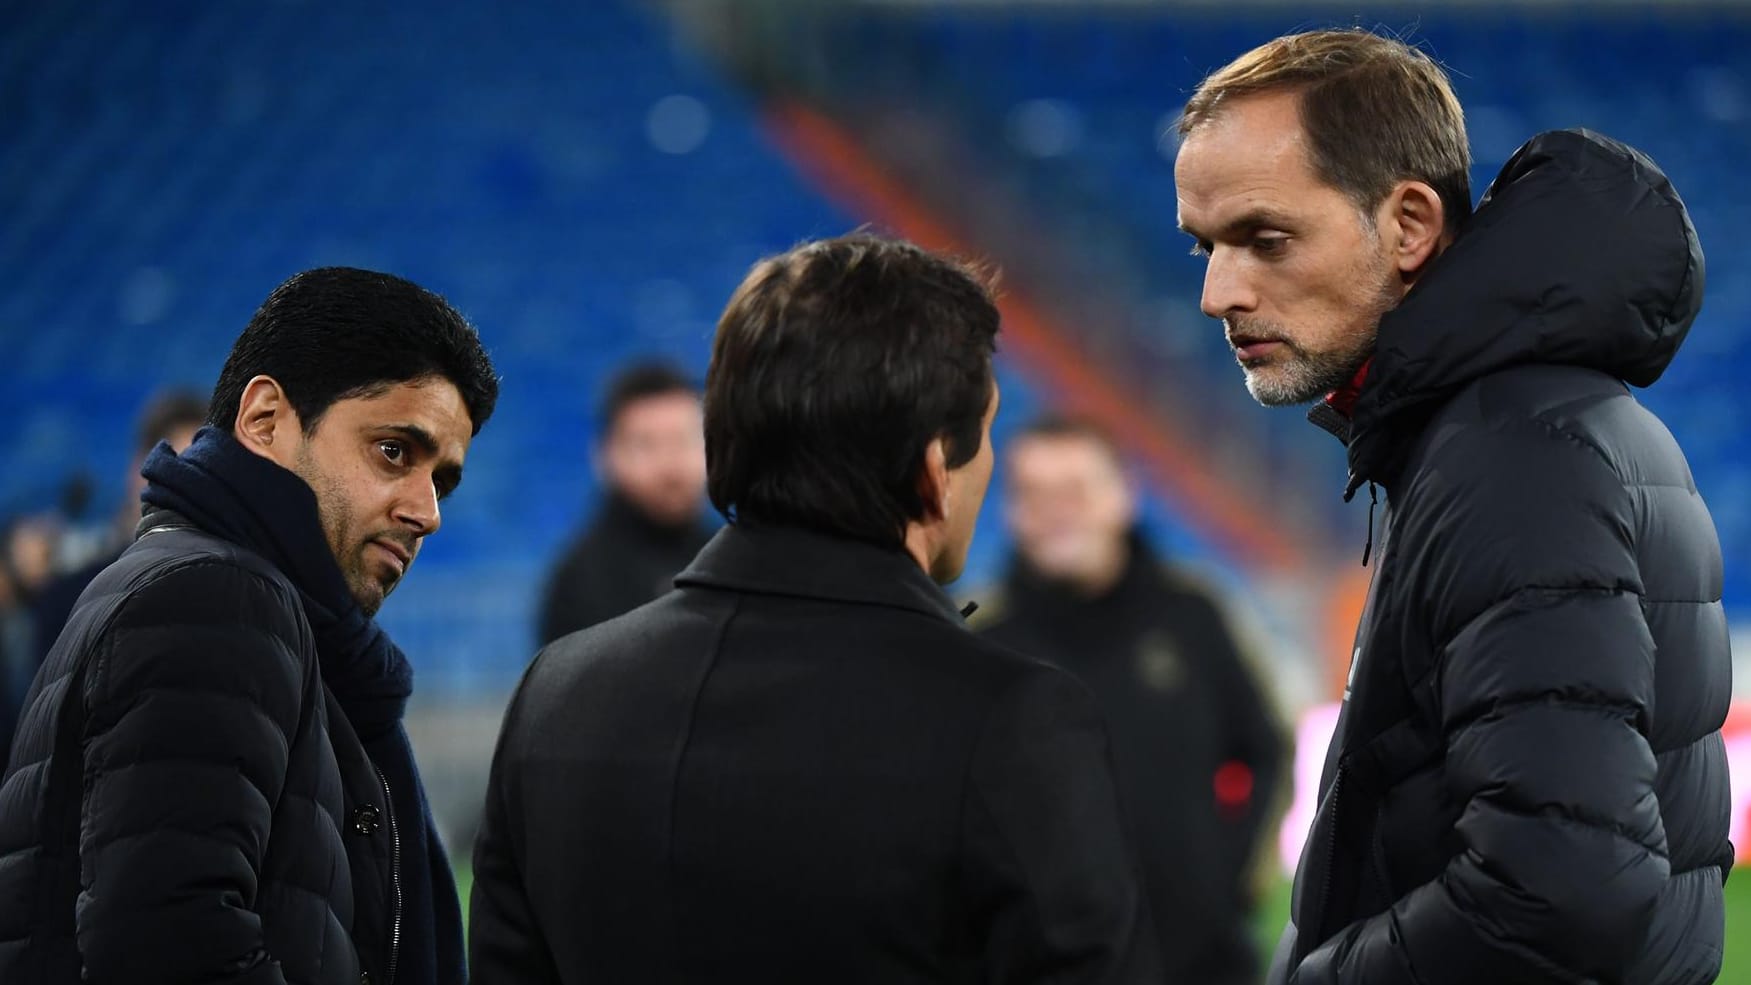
[588,181]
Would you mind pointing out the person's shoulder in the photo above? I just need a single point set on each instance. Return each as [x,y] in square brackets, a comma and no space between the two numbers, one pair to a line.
[994,615]
[184,570]
[224,613]
[988,658]
[1557,401]
[617,643]
[1522,418]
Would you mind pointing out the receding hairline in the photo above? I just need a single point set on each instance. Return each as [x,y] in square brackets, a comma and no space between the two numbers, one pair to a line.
[1070,431]
[1298,62]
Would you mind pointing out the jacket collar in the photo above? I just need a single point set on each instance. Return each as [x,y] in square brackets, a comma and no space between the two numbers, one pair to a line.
[780,560]
[622,517]
[1140,583]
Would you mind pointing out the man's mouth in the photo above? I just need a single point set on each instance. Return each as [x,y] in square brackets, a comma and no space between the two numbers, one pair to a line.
[400,556]
[1250,349]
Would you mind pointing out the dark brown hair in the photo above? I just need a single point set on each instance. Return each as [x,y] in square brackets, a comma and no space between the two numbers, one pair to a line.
[1059,426]
[640,381]
[835,366]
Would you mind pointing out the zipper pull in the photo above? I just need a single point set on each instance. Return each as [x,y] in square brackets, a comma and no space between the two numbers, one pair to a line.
[1368,548]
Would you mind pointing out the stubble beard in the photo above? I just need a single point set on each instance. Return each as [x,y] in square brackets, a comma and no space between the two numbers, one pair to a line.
[1297,375]
[337,527]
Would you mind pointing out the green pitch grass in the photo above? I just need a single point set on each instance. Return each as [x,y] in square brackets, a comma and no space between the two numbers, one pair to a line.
[1269,921]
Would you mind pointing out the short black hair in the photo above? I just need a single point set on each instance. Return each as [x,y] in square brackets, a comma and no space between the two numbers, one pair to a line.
[166,413]
[334,333]
[834,367]
[640,381]
[1071,426]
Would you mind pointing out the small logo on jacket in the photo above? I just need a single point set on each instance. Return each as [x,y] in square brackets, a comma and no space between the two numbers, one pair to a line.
[1159,663]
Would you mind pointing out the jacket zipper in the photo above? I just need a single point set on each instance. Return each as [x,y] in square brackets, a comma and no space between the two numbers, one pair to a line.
[1331,860]
[394,877]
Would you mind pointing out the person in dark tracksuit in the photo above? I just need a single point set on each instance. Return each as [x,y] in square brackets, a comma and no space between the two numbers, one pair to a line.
[651,460]
[1528,781]
[1199,751]
[211,781]
[800,766]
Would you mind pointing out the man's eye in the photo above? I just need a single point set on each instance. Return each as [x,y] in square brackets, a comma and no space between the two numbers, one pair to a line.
[1270,245]
[394,451]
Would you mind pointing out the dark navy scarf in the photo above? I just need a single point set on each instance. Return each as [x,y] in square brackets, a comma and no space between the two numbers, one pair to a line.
[230,492]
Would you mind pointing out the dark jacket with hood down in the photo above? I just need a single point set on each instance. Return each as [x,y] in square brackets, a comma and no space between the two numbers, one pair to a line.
[1528,781]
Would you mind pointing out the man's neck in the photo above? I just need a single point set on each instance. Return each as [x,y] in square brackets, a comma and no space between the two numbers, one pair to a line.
[624,508]
[920,546]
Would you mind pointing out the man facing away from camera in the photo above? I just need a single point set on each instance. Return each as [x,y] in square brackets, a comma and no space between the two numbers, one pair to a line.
[1528,781]
[652,462]
[211,782]
[1197,749]
[800,766]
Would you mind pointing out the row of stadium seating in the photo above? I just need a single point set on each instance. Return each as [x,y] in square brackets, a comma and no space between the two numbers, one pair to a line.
[573,179]
[588,190]
[1069,112]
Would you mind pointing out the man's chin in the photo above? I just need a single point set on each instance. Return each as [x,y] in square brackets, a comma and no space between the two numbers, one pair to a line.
[1276,389]
[370,596]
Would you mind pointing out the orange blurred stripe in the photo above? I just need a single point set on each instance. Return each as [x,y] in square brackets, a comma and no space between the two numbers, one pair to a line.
[834,160]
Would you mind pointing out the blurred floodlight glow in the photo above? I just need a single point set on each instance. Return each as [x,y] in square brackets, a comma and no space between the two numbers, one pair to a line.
[1045,127]
[145,296]
[678,124]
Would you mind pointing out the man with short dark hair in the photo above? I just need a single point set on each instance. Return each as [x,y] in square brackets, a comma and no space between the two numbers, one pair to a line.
[212,782]
[1527,782]
[651,459]
[1197,749]
[800,766]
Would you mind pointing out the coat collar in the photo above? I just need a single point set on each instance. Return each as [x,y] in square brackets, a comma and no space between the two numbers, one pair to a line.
[780,560]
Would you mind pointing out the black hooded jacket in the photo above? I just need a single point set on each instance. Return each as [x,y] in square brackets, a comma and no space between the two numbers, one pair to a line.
[622,560]
[1528,781]
[1167,672]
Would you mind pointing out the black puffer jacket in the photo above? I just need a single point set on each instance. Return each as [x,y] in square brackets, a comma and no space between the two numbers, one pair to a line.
[182,716]
[1528,782]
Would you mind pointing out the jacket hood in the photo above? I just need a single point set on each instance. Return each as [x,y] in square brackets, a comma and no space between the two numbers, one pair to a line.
[1581,254]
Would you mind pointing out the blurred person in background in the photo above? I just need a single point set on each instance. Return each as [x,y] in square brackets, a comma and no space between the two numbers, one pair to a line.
[27,557]
[17,639]
[651,459]
[1198,752]
[173,417]
[801,765]
[1527,781]
[213,783]
[30,546]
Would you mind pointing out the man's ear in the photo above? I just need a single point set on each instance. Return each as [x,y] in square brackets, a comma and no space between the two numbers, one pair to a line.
[933,480]
[266,423]
[1415,223]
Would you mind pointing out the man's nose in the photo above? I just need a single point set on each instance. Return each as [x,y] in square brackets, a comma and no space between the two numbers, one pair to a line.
[1226,288]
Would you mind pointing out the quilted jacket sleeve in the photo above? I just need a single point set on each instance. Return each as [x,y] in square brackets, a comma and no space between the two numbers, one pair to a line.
[190,709]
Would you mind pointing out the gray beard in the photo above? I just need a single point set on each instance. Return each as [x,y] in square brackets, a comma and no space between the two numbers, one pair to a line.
[1305,378]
